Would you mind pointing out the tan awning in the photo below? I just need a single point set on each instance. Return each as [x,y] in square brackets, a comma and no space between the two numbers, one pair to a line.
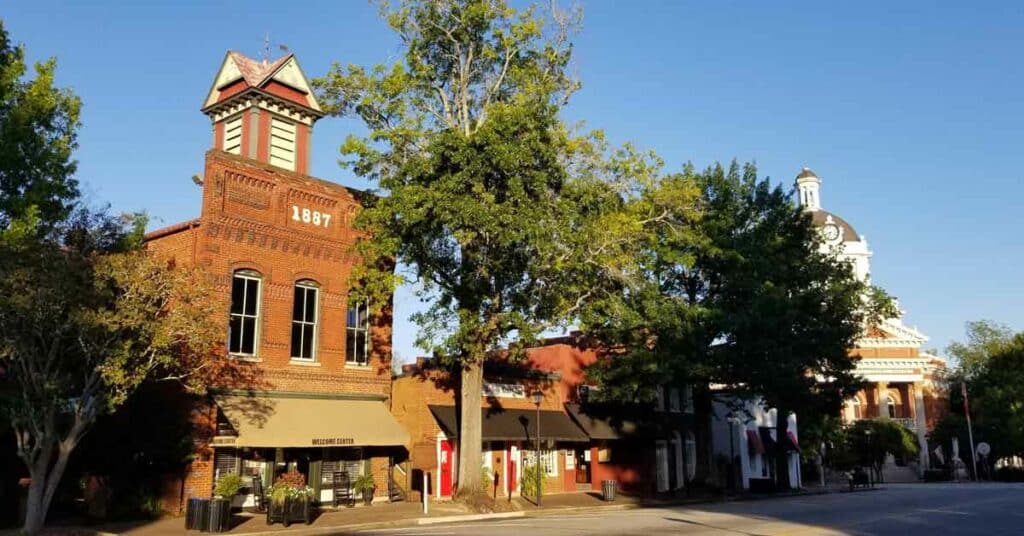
[308,422]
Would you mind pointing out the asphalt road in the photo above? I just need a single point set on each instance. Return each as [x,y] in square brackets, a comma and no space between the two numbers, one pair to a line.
[898,510]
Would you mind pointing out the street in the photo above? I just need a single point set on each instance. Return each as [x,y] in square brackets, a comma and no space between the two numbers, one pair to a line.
[903,510]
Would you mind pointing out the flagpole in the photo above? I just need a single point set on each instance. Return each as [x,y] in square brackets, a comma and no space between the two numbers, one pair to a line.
[970,431]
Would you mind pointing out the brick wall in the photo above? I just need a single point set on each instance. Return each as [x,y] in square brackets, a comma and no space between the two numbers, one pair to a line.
[248,221]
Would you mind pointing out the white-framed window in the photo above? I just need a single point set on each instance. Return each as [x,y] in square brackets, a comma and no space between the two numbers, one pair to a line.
[305,310]
[244,325]
[890,406]
[282,143]
[357,334]
[659,402]
[673,400]
[691,455]
[232,142]
[549,460]
[688,399]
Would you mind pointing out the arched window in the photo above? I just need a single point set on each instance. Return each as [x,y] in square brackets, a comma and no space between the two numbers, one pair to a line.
[243,325]
[890,407]
[305,314]
[858,411]
[691,455]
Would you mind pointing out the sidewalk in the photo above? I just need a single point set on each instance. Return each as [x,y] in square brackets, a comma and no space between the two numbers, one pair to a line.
[246,524]
[405,514]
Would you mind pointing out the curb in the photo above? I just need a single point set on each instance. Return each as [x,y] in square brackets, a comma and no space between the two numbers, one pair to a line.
[469,517]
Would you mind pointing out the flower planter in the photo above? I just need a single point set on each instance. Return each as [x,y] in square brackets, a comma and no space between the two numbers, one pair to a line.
[290,511]
[367,496]
[220,515]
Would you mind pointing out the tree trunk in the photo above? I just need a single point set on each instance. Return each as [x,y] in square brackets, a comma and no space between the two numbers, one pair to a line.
[781,453]
[35,514]
[470,443]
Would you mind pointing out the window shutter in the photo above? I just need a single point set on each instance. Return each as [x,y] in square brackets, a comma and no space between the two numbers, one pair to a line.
[282,143]
[225,463]
[233,135]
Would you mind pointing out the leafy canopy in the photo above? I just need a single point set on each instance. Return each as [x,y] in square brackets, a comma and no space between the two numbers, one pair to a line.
[38,133]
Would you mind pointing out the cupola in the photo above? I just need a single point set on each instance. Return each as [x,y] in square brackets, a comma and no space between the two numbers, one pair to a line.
[808,187]
[263,110]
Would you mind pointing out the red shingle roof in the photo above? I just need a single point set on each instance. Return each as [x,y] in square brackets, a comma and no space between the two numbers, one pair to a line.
[256,72]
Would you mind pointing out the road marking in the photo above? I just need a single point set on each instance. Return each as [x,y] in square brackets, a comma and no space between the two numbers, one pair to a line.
[941,511]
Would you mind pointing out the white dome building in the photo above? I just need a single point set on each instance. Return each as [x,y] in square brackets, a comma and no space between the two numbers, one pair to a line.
[903,378]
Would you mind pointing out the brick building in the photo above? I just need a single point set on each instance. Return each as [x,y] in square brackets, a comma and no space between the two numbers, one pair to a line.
[648,448]
[423,401]
[277,244]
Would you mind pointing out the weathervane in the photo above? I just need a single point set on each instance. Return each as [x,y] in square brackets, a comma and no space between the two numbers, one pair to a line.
[266,48]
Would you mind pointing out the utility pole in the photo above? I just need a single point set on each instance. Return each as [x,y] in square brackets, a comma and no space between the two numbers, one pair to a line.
[970,431]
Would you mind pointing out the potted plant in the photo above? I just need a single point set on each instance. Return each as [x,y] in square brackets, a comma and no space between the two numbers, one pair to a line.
[220,507]
[290,500]
[365,485]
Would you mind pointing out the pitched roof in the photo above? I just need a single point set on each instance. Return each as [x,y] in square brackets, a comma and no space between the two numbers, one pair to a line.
[256,72]
[239,74]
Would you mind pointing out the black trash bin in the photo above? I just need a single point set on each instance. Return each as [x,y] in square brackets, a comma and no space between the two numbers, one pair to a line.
[608,489]
[197,514]
[220,515]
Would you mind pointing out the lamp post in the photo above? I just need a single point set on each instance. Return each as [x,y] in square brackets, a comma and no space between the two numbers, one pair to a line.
[537,398]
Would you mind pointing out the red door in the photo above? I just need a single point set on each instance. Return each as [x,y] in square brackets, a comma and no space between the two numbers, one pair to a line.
[511,471]
[446,468]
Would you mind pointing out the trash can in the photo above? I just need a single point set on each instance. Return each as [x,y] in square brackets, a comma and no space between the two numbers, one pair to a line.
[197,514]
[220,515]
[608,489]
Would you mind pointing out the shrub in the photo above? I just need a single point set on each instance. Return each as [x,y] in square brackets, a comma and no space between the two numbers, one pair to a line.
[486,479]
[228,486]
[936,475]
[528,482]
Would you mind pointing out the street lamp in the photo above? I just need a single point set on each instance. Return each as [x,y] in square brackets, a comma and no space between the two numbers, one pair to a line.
[537,398]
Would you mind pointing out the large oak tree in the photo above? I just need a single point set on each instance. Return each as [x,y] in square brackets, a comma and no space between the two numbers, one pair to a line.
[507,221]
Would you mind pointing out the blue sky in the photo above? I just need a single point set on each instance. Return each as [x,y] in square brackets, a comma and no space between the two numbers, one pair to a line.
[910,113]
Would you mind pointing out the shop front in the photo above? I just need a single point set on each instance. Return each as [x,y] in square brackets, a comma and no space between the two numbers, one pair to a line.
[509,449]
[261,437]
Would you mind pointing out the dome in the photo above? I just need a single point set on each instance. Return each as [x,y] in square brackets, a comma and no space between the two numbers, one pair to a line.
[821,217]
[806,174]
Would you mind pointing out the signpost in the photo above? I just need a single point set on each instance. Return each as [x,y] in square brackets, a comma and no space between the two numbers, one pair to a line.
[970,431]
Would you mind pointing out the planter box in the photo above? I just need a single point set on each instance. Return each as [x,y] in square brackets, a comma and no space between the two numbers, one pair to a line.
[220,515]
[290,511]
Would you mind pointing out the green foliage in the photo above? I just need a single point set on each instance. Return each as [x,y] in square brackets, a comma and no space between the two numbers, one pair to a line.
[228,486]
[85,319]
[870,440]
[38,133]
[528,481]
[736,292]
[486,478]
[989,362]
[985,338]
[363,483]
[507,221]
